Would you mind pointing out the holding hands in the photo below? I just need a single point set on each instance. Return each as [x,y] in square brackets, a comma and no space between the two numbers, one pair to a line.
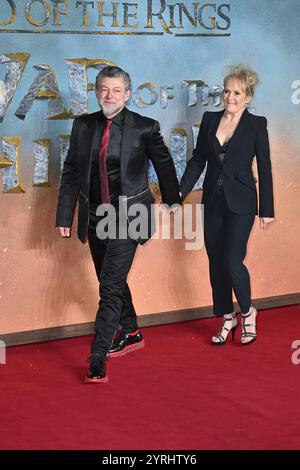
[264,221]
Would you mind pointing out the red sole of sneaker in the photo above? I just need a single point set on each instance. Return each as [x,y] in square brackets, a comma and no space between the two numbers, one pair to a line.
[87,380]
[131,348]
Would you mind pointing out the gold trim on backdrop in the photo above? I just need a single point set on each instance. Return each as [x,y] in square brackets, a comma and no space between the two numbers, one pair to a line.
[5,162]
[180,131]
[197,35]
[22,57]
[90,62]
[64,115]
[112,33]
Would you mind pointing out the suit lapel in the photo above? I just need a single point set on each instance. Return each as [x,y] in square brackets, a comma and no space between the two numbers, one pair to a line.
[236,138]
[127,139]
[91,141]
[215,125]
[92,135]
[213,130]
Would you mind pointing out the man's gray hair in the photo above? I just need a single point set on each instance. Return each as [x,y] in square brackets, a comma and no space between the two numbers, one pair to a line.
[112,72]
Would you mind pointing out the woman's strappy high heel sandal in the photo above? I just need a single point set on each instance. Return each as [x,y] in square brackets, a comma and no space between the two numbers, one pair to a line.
[222,335]
[246,326]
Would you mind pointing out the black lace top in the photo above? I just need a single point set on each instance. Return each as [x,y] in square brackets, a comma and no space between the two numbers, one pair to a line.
[221,149]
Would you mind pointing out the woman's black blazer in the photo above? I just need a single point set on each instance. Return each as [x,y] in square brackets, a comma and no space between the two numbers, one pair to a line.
[249,139]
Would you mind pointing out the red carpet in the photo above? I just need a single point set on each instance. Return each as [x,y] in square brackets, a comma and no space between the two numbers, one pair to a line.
[179,392]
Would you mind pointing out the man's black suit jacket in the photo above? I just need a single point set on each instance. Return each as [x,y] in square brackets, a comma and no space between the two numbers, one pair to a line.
[141,141]
[249,139]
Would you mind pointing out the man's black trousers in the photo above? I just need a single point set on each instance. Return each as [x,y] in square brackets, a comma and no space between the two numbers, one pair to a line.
[112,259]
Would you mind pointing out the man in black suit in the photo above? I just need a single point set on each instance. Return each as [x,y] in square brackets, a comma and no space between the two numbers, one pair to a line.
[107,163]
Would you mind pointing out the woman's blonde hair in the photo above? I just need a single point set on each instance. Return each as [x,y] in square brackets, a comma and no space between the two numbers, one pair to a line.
[245,75]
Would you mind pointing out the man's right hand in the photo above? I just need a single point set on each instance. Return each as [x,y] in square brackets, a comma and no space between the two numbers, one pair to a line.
[65,232]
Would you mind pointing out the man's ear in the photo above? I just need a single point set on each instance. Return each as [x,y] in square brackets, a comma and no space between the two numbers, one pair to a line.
[128,93]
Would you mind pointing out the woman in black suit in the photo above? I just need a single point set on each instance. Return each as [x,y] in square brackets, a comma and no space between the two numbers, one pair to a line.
[228,141]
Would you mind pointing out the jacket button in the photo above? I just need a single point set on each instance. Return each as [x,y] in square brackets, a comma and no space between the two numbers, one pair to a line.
[220,181]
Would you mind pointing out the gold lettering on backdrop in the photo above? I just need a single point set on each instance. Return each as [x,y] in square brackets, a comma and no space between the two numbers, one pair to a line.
[150,15]
[183,9]
[154,95]
[128,15]
[194,17]
[113,14]
[78,82]
[15,65]
[11,173]
[171,9]
[214,92]
[192,87]
[44,87]
[157,15]
[212,18]
[30,18]
[13,13]
[41,162]
[223,16]
[57,12]
[164,95]
[85,17]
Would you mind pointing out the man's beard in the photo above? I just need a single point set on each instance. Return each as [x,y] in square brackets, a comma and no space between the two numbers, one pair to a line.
[111,109]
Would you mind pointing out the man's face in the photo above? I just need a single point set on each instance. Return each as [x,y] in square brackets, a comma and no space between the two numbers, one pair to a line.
[112,95]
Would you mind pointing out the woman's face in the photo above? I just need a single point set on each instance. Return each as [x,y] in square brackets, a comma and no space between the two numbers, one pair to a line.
[234,98]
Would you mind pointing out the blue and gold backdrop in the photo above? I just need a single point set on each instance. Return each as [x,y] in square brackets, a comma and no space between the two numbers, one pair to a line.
[176,53]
